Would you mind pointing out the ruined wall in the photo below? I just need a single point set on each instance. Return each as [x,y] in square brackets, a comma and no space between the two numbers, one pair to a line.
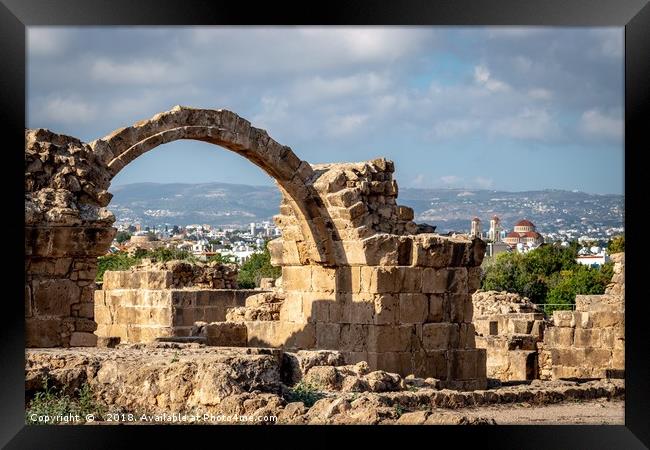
[398,300]
[66,229]
[357,276]
[590,341]
[509,327]
[164,300]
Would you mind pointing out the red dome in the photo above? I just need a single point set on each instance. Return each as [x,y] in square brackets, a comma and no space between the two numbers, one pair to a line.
[524,223]
[513,234]
[533,234]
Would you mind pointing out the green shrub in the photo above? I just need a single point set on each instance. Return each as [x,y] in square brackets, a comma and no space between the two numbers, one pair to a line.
[257,267]
[52,402]
[304,392]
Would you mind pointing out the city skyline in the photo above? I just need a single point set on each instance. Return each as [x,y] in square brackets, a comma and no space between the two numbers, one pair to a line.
[495,108]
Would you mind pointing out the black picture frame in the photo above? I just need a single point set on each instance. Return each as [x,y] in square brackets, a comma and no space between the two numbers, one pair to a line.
[634,15]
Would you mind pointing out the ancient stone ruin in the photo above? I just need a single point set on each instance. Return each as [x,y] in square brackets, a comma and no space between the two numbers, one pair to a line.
[357,274]
[585,343]
[590,341]
[509,327]
[164,300]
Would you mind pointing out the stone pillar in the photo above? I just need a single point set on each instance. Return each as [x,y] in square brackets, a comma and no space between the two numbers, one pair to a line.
[60,269]
[403,306]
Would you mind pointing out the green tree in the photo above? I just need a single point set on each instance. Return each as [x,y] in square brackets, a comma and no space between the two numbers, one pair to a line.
[548,274]
[163,254]
[257,267]
[222,259]
[122,236]
[616,245]
[115,261]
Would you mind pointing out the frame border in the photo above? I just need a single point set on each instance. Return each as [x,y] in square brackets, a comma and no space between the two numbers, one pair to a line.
[634,15]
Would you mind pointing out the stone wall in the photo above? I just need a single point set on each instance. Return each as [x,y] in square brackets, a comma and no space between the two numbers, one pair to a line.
[357,274]
[403,304]
[590,341]
[509,327]
[165,300]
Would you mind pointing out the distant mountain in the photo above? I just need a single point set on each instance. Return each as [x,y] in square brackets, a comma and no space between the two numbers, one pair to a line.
[449,209]
[183,204]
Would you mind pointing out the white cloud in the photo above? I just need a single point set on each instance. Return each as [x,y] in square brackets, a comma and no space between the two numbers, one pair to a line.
[529,124]
[149,71]
[540,94]
[66,110]
[419,180]
[454,127]
[450,180]
[482,77]
[319,88]
[594,123]
[46,41]
[484,182]
[346,124]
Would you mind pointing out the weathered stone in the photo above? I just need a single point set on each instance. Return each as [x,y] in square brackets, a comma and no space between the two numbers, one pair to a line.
[226,334]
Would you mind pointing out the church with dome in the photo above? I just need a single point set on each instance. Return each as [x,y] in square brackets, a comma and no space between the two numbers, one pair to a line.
[524,233]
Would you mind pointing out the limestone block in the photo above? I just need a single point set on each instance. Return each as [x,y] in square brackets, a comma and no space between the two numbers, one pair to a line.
[226,334]
[590,337]
[434,281]
[411,279]
[354,337]
[54,297]
[80,339]
[516,326]
[464,363]
[563,318]
[386,308]
[43,332]
[348,279]
[582,319]
[390,338]
[85,325]
[438,336]
[184,298]
[457,280]
[323,279]
[103,314]
[264,334]
[296,278]
[558,336]
[328,335]
[361,309]
[413,308]
[457,306]
[291,309]
[473,279]
[380,279]
[299,336]
[316,306]
[602,319]
[157,279]
[438,308]
[594,357]
[467,334]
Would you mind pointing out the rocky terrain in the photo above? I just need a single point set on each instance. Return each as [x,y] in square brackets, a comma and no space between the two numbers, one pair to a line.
[207,384]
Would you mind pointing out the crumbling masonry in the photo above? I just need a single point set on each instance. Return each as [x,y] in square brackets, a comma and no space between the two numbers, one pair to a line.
[357,276]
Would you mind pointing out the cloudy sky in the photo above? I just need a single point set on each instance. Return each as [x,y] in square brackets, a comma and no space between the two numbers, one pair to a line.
[498,108]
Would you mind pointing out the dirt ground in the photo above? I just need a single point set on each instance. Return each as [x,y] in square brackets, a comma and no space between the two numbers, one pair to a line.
[595,412]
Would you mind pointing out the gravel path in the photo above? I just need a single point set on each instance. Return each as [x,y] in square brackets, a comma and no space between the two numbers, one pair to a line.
[596,412]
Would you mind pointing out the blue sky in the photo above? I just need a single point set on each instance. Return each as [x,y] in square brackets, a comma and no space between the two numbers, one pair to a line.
[475,107]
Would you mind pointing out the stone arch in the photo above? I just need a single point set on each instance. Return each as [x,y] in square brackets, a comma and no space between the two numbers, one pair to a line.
[226,129]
